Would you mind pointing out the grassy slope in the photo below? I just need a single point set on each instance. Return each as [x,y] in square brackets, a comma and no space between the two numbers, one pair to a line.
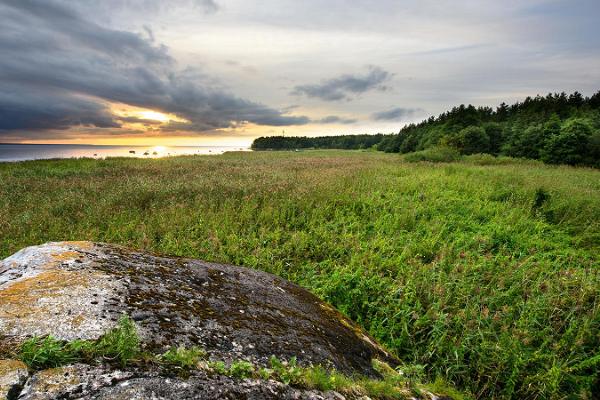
[448,264]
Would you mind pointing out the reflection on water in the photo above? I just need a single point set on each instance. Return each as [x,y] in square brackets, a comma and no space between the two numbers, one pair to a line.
[20,152]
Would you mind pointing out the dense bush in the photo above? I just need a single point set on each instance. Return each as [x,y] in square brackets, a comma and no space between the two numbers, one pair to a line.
[570,146]
[434,154]
[471,140]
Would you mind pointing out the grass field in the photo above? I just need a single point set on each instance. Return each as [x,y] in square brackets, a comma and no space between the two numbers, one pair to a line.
[485,272]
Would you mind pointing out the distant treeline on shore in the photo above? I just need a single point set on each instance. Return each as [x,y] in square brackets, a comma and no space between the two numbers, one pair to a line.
[557,128]
[348,142]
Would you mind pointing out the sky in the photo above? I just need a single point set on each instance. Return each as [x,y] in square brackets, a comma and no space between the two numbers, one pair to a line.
[222,72]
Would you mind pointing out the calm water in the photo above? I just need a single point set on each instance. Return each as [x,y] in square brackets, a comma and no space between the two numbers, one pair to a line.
[20,152]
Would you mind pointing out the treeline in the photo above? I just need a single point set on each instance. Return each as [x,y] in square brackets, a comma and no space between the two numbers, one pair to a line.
[557,128]
[348,142]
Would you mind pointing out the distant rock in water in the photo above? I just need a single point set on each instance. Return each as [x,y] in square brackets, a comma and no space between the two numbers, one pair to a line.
[79,290]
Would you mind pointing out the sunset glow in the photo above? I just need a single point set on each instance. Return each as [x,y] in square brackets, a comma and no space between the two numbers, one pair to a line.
[177,72]
[131,115]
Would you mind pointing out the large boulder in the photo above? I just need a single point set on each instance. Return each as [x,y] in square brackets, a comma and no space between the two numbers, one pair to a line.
[79,290]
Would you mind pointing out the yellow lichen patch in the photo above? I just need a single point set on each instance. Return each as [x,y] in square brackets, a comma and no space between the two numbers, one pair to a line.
[33,300]
[55,380]
[48,283]
[8,366]
[65,256]
[77,321]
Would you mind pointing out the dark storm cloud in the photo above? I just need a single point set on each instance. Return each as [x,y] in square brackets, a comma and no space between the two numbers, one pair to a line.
[395,114]
[334,119]
[58,70]
[346,86]
[20,110]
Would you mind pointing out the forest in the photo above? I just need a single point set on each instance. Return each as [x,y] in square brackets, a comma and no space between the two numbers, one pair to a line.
[557,129]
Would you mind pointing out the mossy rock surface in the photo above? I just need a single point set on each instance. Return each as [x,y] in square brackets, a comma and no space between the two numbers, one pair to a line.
[79,290]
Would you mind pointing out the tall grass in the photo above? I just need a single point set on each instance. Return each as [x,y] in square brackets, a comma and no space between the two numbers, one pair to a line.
[458,267]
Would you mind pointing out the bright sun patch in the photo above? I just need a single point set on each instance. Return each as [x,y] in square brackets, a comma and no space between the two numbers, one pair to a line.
[154,115]
[141,117]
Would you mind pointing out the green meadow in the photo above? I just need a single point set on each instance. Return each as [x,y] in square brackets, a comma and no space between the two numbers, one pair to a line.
[484,272]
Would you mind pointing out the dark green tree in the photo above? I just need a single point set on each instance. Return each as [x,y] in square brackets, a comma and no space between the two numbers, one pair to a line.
[495,133]
[470,140]
[571,145]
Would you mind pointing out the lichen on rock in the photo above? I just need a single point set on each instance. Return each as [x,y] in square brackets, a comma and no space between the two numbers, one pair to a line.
[52,289]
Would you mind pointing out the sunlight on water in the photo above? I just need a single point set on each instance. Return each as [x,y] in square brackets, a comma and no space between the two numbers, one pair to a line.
[20,152]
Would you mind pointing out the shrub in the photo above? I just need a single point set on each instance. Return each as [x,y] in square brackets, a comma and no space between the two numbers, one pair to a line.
[182,357]
[121,343]
[218,367]
[287,372]
[318,378]
[434,154]
[241,370]
[540,198]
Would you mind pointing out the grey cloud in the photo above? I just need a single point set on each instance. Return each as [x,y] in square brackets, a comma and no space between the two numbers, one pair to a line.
[346,86]
[149,32]
[142,9]
[334,119]
[208,5]
[19,110]
[65,71]
[136,120]
[395,114]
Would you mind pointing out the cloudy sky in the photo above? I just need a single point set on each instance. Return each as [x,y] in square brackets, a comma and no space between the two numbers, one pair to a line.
[226,71]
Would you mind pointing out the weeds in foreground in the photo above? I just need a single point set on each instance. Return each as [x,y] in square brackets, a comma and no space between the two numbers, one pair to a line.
[183,357]
[241,369]
[48,352]
[120,344]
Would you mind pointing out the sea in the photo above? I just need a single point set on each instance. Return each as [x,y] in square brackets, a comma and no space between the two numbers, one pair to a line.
[22,152]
